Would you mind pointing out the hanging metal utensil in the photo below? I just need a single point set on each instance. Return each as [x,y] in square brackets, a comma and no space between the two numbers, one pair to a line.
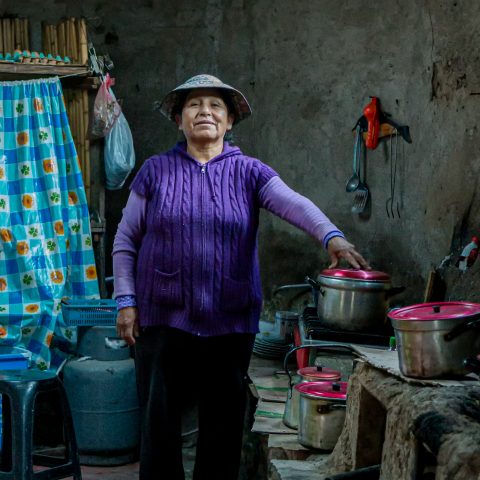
[354,180]
[390,203]
[362,192]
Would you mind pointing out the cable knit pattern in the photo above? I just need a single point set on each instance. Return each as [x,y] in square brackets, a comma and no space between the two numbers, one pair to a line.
[197,266]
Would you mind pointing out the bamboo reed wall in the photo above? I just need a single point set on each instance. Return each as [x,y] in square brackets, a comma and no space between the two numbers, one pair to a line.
[76,102]
[67,38]
[14,34]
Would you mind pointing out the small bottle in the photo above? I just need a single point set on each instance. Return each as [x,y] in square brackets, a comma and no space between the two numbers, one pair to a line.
[468,256]
[392,344]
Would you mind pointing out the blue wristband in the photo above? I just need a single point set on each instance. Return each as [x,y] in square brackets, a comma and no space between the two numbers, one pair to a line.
[330,235]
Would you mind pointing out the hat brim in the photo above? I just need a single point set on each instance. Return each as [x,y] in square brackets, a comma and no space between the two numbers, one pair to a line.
[170,104]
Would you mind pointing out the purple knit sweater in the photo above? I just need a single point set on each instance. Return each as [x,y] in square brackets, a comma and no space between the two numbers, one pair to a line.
[195,253]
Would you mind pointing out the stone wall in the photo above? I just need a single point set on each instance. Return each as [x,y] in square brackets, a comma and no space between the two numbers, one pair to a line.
[404,426]
[308,69]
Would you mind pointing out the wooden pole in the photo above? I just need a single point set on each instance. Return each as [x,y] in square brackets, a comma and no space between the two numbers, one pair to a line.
[54,50]
[26,37]
[74,39]
[81,139]
[21,34]
[44,36]
[87,145]
[83,41]
[67,39]
[12,34]
[61,39]
[6,43]
[2,48]
[18,37]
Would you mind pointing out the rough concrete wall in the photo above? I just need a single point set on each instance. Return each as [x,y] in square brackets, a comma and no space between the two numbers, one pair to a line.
[308,68]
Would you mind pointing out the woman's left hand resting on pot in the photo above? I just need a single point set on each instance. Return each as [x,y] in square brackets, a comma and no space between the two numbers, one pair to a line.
[339,248]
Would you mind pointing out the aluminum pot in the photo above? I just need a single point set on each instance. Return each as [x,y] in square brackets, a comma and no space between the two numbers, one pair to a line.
[354,300]
[321,414]
[285,322]
[307,374]
[436,340]
[317,373]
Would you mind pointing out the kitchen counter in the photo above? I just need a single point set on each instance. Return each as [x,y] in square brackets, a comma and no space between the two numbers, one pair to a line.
[411,427]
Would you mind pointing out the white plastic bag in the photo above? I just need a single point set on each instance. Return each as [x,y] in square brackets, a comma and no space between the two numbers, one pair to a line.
[119,154]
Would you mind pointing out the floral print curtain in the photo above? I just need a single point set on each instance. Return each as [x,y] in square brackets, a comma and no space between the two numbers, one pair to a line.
[45,240]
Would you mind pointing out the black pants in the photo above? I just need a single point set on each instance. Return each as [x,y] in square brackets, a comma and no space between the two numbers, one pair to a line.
[173,366]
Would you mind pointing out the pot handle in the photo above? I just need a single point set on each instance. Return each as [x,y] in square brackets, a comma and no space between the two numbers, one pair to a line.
[316,288]
[472,364]
[395,291]
[312,282]
[463,327]
[327,408]
[298,286]
[326,346]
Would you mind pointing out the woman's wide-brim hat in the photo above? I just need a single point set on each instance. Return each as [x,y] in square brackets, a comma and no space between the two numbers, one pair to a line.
[170,104]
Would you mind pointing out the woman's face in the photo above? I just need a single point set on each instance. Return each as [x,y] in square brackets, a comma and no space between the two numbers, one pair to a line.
[205,117]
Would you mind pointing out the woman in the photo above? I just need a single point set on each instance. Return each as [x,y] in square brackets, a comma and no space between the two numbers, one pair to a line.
[187,282]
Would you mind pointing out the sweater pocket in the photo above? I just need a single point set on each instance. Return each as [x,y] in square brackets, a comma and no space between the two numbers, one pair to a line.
[167,288]
[236,295]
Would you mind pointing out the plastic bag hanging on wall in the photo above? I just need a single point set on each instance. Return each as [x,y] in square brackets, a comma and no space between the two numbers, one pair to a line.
[106,110]
[119,154]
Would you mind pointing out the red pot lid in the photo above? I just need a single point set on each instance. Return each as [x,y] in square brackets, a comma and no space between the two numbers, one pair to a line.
[367,275]
[320,373]
[436,311]
[327,390]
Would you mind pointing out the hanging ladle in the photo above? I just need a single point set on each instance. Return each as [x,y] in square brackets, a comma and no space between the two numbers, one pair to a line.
[354,180]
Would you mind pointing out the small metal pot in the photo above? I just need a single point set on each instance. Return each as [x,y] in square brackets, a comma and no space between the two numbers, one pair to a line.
[321,414]
[317,373]
[354,300]
[306,374]
[285,322]
[436,339]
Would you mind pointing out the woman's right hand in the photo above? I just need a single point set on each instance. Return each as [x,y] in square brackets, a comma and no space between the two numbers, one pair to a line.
[127,324]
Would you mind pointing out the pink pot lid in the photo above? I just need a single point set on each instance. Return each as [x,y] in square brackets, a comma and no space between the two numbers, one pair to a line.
[350,273]
[436,311]
[327,390]
[320,373]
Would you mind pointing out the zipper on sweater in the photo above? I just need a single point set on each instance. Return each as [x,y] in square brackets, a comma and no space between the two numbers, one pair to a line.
[204,233]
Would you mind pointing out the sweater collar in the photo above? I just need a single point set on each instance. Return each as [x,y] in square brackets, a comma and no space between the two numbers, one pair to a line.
[228,151]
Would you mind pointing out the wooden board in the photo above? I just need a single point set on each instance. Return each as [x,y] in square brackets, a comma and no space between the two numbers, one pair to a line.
[41,69]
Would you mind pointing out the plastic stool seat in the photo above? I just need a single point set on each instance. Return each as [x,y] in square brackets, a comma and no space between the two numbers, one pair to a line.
[22,387]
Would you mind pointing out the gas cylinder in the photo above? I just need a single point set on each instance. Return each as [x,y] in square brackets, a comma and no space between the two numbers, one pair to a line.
[101,389]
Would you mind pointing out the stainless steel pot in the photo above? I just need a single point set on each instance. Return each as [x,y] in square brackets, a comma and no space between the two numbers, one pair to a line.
[354,300]
[306,374]
[285,322]
[436,339]
[321,414]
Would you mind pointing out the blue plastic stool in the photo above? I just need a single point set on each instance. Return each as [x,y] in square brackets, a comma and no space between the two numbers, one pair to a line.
[21,387]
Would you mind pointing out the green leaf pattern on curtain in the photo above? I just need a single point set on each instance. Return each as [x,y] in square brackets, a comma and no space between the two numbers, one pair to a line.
[45,240]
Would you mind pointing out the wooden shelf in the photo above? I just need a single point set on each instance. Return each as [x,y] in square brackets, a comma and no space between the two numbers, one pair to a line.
[32,69]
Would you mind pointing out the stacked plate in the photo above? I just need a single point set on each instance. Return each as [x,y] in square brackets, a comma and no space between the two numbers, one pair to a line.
[269,343]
